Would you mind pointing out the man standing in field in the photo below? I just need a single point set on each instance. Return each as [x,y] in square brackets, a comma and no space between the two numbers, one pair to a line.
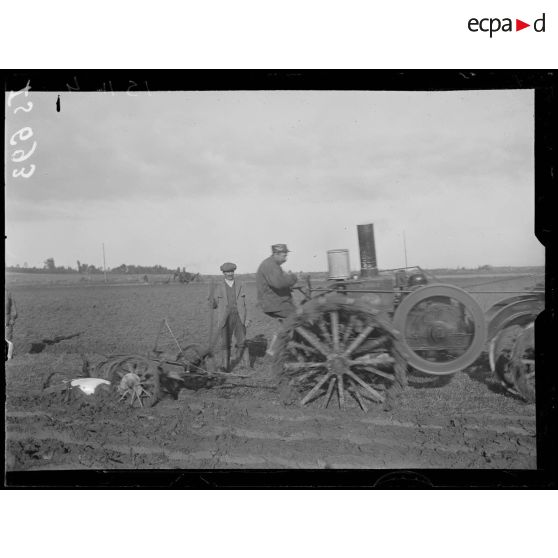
[228,297]
[275,288]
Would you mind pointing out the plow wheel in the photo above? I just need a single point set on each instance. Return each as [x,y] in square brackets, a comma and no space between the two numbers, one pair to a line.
[442,327]
[339,349]
[136,380]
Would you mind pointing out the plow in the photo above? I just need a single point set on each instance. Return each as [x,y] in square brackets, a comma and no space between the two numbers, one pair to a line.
[354,339]
[140,380]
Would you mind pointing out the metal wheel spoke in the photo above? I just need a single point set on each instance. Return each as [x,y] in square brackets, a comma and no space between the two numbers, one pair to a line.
[348,330]
[369,368]
[340,392]
[382,358]
[294,366]
[304,376]
[302,347]
[358,341]
[374,344]
[329,391]
[334,316]
[314,390]
[323,329]
[313,340]
[376,395]
[353,390]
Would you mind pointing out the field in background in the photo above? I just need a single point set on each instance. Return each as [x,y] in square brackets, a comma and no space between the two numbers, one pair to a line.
[45,279]
[457,275]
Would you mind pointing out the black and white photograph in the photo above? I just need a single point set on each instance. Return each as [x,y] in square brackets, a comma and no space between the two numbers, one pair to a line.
[270,278]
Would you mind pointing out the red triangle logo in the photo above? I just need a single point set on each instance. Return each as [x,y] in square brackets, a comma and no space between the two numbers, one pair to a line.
[519,25]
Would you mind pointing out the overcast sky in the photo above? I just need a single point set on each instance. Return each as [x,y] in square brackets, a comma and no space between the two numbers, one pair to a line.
[198,178]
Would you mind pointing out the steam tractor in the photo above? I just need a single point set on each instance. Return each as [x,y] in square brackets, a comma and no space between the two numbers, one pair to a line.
[353,339]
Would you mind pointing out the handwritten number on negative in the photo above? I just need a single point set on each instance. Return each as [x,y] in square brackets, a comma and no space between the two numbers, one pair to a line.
[17,173]
[14,94]
[24,134]
[23,156]
[28,109]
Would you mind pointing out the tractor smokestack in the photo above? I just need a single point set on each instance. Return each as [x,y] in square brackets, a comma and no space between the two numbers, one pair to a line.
[367,246]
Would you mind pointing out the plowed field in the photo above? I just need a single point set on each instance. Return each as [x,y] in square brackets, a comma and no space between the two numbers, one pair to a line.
[463,421]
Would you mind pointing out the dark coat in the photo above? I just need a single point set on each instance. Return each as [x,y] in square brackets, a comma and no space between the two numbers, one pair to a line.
[274,286]
[219,302]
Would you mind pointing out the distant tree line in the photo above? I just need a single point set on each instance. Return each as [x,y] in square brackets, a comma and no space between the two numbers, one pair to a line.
[157,269]
[49,266]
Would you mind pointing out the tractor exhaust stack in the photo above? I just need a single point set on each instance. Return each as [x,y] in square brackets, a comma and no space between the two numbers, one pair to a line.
[367,247]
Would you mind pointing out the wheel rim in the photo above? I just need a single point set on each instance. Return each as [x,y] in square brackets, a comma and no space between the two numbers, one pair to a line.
[520,310]
[338,348]
[121,370]
[443,329]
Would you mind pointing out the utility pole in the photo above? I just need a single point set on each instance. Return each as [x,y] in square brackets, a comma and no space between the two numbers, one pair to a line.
[405,248]
[104,263]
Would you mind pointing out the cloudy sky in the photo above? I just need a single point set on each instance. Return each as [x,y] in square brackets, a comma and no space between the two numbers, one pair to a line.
[197,178]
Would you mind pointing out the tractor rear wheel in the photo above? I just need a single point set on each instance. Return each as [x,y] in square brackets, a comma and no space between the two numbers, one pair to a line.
[337,348]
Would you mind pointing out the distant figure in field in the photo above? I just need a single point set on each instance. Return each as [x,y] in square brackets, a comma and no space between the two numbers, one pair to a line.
[10,317]
[184,276]
[275,288]
[228,297]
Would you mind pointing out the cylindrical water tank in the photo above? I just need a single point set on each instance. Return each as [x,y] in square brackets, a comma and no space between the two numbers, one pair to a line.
[338,266]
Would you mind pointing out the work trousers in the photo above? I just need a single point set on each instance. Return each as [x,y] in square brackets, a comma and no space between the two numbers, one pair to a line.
[233,327]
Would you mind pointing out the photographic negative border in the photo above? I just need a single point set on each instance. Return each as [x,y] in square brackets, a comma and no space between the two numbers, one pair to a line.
[543,83]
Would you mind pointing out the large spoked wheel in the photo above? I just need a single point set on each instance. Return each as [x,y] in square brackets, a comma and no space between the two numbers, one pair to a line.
[339,348]
[136,379]
[443,329]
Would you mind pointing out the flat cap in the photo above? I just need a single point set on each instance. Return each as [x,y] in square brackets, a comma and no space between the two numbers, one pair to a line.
[228,266]
[277,248]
